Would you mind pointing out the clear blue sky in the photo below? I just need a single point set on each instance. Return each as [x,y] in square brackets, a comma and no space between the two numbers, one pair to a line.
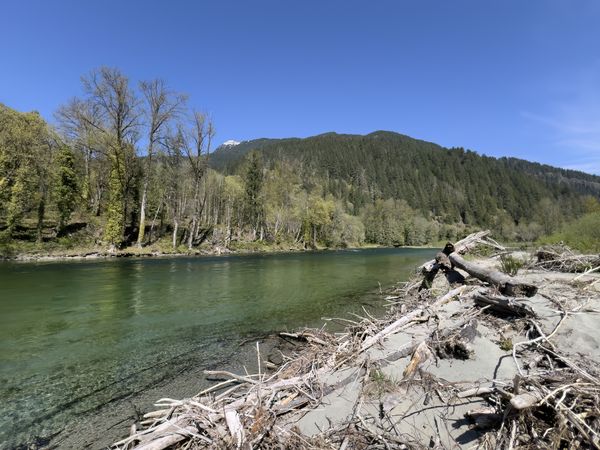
[513,77]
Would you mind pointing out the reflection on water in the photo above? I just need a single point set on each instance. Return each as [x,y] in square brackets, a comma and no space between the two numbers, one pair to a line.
[77,335]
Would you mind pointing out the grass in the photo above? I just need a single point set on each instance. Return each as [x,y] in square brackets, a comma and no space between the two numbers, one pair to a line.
[510,265]
[380,383]
[506,344]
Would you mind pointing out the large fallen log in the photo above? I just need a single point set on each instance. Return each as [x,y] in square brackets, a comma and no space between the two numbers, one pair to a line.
[505,283]
[441,261]
[460,247]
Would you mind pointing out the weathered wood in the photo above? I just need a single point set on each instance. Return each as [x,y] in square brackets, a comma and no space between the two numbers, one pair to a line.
[164,442]
[460,247]
[441,262]
[504,305]
[420,355]
[525,400]
[429,274]
[395,326]
[505,283]
[484,418]
[476,392]
[303,337]
[234,424]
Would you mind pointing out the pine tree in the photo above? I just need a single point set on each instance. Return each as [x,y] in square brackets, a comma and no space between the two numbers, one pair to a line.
[254,183]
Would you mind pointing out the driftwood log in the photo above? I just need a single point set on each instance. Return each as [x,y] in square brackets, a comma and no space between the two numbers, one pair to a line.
[441,262]
[505,305]
[505,283]
[466,244]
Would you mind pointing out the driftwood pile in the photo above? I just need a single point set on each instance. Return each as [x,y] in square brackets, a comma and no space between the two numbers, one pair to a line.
[562,259]
[553,401]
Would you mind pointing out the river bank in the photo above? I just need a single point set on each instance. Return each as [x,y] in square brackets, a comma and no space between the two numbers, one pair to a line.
[451,366]
[93,253]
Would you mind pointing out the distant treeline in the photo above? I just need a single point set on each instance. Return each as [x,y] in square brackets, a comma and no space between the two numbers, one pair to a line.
[132,164]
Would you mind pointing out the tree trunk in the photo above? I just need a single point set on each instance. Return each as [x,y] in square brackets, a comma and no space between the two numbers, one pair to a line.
[227,226]
[441,261]
[142,228]
[507,285]
[87,188]
[462,246]
[153,223]
[175,230]
[193,227]
[503,305]
[41,213]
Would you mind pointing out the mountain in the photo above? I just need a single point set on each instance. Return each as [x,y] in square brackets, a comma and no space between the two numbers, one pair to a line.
[230,143]
[456,185]
[227,156]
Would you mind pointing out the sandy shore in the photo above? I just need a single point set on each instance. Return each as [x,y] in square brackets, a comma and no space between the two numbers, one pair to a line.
[414,409]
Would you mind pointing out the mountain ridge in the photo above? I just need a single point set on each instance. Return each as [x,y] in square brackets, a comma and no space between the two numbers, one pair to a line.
[257,143]
[456,184]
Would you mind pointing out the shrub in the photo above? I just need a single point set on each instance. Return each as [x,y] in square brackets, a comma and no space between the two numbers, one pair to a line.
[506,344]
[510,265]
[582,234]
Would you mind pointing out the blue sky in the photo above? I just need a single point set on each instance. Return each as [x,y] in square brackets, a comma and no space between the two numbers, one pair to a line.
[510,78]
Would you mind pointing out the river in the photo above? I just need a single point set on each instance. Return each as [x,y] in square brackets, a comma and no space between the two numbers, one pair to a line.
[87,345]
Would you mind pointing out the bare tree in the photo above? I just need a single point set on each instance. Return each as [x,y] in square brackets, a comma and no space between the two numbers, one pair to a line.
[175,193]
[161,107]
[197,146]
[117,114]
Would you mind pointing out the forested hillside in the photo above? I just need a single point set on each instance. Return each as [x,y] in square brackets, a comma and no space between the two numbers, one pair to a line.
[131,165]
[450,186]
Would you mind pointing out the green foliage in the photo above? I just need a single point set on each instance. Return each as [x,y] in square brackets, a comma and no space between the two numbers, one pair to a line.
[344,230]
[381,223]
[66,191]
[380,384]
[591,204]
[329,190]
[519,200]
[390,222]
[24,153]
[317,217]
[510,265]
[254,184]
[506,344]
[21,191]
[582,234]
[115,212]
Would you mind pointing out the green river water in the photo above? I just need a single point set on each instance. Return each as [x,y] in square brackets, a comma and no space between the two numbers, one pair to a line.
[87,345]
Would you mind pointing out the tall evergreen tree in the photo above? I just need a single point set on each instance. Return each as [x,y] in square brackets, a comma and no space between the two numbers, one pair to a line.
[254,183]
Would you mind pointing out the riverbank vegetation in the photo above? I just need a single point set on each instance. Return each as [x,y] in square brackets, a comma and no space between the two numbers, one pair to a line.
[130,166]
[582,234]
